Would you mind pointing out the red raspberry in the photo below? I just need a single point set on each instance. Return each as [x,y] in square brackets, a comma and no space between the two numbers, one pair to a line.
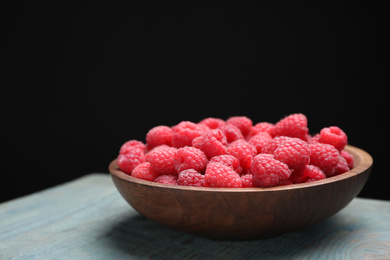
[246,181]
[314,139]
[324,156]
[313,173]
[232,132]
[220,175]
[129,160]
[212,143]
[162,159]
[190,177]
[159,135]
[335,136]
[348,157]
[260,140]
[212,122]
[244,151]
[185,132]
[268,172]
[190,158]
[228,160]
[242,122]
[341,167]
[167,179]
[145,171]
[261,127]
[132,144]
[294,125]
[273,144]
[294,152]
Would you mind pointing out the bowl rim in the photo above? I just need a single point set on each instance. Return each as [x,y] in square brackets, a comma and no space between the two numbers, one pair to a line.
[362,159]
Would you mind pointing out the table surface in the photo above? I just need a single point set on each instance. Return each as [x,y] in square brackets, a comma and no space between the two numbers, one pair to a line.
[88,219]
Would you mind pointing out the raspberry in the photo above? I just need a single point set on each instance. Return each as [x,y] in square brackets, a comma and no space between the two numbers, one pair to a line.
[294,125]
[190,158]
[220,175]
[341,167]
[308,174]
[273,144]
[130,145]
[232,132]
[129,160]
[335,136]
[212,143]
[242,122]
[268,172]
[294,152]
[314,139]
[162,159]
[190,177]
[167,179]
[159,135]
[348,157]
[324,156]
[185,132]
[246,181]
[213,123]
[145,171]
[261,127]
[260,140]
[244,151]
[228,160]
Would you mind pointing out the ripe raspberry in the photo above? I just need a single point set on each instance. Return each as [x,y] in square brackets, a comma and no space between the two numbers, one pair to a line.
[185,132]
[246,181]
[293,152]
[190,158]
[162,159]
[167,179]
[260,140]
[348,157]
[212,122]
[190,177]
[244,151]
[212,143]
[268,172]
[308,174]
[314,139]
[341,167]
[242,122]
[324,156]
[130,145]
[335,136]
[273,144]
[261,127]
[159,135]
[294,125]
[129,160]
[145,171]
[313,173]
[232,132]
[228,160]
[220,175]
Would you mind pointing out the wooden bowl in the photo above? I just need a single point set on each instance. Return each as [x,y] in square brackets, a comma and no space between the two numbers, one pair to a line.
[244,213]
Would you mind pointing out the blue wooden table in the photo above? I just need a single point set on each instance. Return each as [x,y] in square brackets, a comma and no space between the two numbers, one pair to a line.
[88,219]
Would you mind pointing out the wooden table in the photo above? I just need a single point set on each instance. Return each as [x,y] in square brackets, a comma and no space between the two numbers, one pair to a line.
[88,219]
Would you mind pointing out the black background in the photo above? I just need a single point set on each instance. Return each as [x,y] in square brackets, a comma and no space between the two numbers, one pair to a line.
[80,80]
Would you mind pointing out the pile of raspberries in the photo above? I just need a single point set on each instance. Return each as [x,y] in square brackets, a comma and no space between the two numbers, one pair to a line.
[235,153]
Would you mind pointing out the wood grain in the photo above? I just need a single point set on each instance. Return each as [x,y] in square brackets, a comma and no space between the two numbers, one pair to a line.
[88,219]
[236,214]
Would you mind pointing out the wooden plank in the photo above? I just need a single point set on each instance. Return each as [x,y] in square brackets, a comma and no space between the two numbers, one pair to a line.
[87,219]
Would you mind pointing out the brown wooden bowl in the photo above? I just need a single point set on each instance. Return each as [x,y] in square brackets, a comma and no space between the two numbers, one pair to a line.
[244,213]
